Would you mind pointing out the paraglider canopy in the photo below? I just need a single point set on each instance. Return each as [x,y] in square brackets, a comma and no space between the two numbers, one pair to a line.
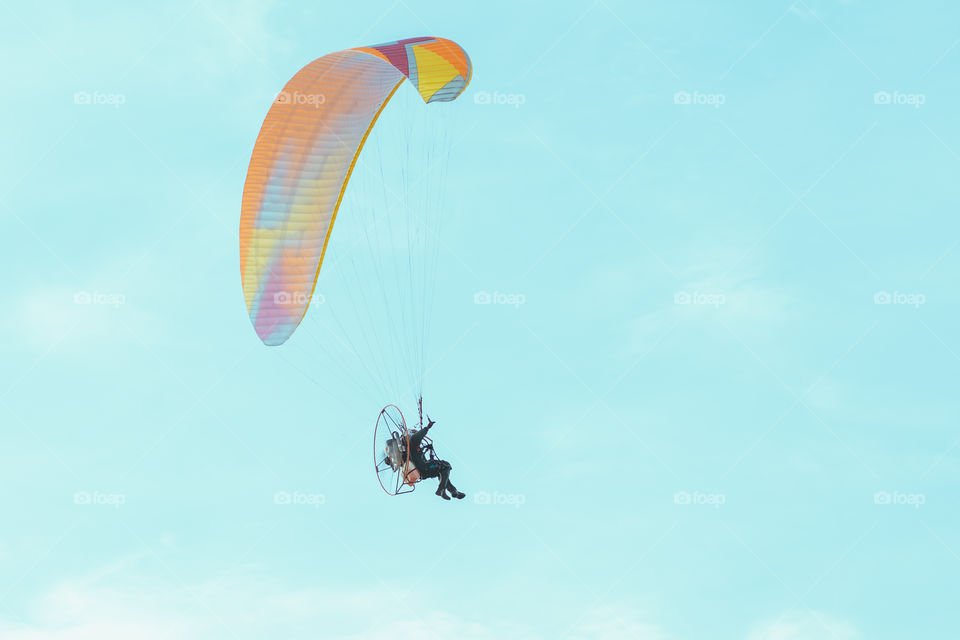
[302,161]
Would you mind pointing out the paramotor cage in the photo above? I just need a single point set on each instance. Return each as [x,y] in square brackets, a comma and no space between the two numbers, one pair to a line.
[391,452]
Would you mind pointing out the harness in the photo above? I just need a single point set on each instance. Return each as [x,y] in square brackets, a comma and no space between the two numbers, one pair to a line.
[426,455]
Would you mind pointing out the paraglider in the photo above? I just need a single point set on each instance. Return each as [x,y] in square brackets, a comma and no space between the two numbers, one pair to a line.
[300,168]
[403,457]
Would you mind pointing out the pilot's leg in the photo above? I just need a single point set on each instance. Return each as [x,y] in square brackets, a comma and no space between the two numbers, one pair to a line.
[444,468]
[459,495]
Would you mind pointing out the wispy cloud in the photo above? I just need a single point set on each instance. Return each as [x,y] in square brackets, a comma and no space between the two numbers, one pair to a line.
[809,626]
[101,607]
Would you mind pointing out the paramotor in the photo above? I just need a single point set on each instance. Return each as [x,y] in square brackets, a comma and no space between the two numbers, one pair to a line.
[391,453]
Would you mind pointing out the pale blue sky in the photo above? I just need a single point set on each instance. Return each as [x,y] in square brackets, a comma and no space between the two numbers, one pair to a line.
[784,401]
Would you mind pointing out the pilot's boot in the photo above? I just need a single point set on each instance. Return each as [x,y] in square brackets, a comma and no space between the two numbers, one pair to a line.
[459,495]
